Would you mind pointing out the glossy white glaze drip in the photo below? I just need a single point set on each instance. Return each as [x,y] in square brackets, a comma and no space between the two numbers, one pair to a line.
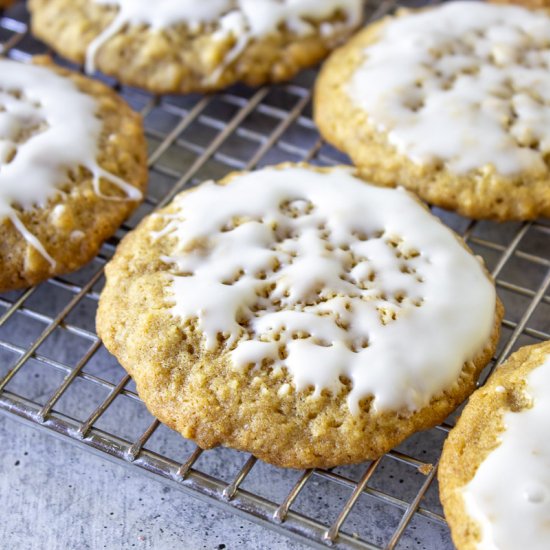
[47,128]
[318,248]
[466,84]
[243,20]
[509,496]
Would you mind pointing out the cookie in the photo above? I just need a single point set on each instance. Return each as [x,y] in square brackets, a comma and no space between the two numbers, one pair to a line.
[180,47]
[526,3]
[452,102]
[299,314]
[494,470]
[72,168]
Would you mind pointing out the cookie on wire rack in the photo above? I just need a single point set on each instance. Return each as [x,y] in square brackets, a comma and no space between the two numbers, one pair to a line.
[195,46]
[72,167]
[494,471]
[300,314]
[452,102]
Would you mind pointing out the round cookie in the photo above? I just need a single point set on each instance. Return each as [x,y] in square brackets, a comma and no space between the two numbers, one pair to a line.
[300,314]
[72,168]
[493,475]
[452,102]
[181,47]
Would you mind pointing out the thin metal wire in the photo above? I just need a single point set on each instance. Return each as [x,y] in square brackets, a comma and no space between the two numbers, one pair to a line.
[520,254]
[136,447]
[229,492]
[171,137]
[92,419]
[520,327]
[16,305]
[67,369]
[187,474]
[185,468]
[282,511]
[49,329]
[48,406]
[215,145]
[332,533]
[405,520]
[511,248]
[377,493]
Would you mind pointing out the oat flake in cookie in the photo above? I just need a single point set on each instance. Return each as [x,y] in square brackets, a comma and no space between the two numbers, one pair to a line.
[72,167]
[453,102]
[300,314]
[190,46]
[495,468]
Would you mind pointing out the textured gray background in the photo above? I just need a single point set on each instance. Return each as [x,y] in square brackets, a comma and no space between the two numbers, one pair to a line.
[54,496]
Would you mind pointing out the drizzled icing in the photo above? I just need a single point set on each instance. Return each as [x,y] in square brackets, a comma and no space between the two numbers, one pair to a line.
[330,278]
[466,84]
[509,496]
[47,128]
[243,20]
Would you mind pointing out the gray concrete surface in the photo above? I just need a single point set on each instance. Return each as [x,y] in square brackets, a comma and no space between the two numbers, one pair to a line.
[54,496]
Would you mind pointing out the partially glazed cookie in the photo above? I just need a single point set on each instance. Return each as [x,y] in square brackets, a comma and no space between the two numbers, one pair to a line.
[527,3]
[452,102]
[72,168]
[190,46]
[495,468]
[300,314]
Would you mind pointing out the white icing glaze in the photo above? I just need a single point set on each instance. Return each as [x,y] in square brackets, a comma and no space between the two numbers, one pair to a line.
[51,128]
[310,274]
[466,84]
[509,496]
[244,20]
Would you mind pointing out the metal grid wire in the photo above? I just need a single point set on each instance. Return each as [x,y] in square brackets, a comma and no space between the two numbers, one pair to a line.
[55,374]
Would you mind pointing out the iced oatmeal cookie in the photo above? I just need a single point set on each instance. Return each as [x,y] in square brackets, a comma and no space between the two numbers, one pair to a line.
[300,314]
[180,46]
[452,102]
[494,472]
[72,168]
[526,3]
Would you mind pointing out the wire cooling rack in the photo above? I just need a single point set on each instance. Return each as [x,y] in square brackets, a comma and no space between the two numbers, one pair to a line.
[56,375]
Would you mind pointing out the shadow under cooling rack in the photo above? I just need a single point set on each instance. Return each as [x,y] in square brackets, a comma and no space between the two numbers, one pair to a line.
[56,375]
